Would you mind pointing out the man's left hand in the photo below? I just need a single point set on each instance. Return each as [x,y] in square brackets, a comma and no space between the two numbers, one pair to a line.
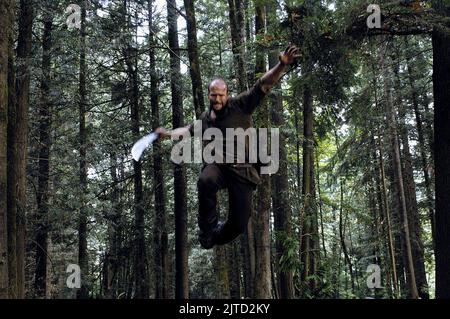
[289,55]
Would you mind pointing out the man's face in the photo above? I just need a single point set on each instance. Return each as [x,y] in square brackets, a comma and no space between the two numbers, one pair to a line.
[218,95]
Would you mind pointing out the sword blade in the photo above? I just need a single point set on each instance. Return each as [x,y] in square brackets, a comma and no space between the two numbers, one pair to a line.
[142,144]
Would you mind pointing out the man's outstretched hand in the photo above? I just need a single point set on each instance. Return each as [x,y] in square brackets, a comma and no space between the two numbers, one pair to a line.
[274,74]
[289,55]
[181,131]
[163,133]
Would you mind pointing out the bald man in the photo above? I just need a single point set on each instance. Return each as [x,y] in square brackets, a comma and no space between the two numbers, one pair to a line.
[240,179]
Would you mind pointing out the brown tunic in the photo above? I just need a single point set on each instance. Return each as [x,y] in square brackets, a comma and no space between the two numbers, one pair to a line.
[236,113]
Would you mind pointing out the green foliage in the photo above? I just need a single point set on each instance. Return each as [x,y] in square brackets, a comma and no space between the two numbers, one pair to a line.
[289,260]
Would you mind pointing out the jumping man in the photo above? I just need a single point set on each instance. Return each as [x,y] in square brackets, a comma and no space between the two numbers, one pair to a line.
[240,179]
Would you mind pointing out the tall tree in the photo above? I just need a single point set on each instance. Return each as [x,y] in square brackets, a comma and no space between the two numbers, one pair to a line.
[387,216]
[140,254]
[112,264]
[237,26]
[280,187]
[342,223]
[422,150]
[22,95]
[234,270]
[131,55]
[45,116]
[222,272]
[160,237]
[82,106]
[262,217]
[13,169]
[248,259]
[441,83]
[322,50]
[181,258]
[309,234]
[236,16]
[222,260]
[6,8]
[196,78]
[410,196]
[393,133]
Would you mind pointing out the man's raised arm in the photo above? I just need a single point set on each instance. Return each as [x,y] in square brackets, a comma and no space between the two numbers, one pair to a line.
[274,74]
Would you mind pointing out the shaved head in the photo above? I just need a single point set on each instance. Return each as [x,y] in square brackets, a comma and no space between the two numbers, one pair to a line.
[217,93]
[219,83]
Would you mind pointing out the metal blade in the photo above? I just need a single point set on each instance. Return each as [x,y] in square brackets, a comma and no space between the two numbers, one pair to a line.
[140,146]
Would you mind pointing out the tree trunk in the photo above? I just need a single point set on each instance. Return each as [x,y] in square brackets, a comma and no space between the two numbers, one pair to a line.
[262,236]
[398,233]
[140,253]
[380,249]
[441,83]
[387,214]
[412,208]
[383,203]
[6,11]
[342,223]
[42,226]
[391,121]
[309,233]
[281,208]
[221,259]
[237,27]
[234,274]
[322,233]
[83,293]
[280,186]
[297,149]
[236,15]
[140,264]
[22,91]
[221,269]
[160,237]
[112,263]
[181,259]
[422,150]
[12,169]
[121,237]
[247,243]
[429,131]
[196,78]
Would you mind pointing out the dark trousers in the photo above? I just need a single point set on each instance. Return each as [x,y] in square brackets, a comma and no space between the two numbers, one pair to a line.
[213,178]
